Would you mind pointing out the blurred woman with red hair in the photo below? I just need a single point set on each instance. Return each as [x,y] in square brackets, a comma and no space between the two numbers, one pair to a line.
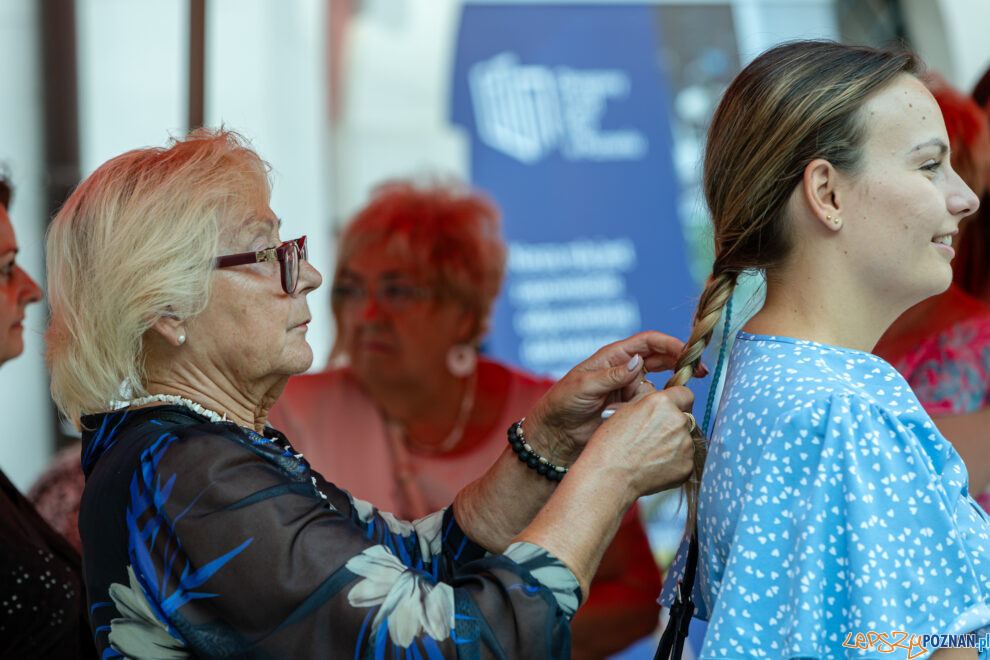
[942,345]
[417,272]
[972,264]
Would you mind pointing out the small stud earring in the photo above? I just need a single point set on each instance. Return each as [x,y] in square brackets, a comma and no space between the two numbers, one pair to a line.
[182,340]
[836,220]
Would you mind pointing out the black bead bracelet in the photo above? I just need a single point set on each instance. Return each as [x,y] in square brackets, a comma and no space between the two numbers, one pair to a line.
[533,460]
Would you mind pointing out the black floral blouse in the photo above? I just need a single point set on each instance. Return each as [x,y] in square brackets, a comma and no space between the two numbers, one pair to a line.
[209,539]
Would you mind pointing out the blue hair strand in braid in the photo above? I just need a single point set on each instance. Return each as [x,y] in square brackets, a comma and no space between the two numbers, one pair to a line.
[718,367]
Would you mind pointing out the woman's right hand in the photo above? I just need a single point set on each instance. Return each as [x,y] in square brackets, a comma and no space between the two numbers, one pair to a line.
[570,412]
[645,447]
[647,443]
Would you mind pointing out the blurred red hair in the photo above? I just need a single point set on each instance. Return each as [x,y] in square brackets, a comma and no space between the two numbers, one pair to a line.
[447,232]
[969,141]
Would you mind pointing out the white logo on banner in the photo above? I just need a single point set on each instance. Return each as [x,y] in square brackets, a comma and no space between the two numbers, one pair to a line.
[527,112]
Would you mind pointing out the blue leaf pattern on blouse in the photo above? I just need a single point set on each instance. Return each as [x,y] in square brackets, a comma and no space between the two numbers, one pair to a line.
[241,550]
[145,523]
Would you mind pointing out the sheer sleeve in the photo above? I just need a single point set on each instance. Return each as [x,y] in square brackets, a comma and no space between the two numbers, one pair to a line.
[240,549]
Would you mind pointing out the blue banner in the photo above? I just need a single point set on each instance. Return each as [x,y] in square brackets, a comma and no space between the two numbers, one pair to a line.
[569,126]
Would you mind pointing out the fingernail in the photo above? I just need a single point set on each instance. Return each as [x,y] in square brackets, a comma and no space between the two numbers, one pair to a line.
[633,362]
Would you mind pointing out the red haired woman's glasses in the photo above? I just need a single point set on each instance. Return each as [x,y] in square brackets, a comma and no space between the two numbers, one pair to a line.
[288,254]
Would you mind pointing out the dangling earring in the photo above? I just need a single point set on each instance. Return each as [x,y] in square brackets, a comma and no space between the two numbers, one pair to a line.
[461,360]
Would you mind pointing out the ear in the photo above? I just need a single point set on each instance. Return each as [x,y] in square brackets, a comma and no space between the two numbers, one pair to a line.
[172,329]
[467,325]
[820,186]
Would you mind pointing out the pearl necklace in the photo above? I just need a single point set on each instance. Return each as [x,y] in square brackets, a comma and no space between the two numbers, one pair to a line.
[173,399]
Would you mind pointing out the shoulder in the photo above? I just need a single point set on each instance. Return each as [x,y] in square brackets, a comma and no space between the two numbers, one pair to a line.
[966,306]
[319,395]
[770,376]
[319,383]
[514,377]
[186,461]
[149,435]
[846,424]
[964,326]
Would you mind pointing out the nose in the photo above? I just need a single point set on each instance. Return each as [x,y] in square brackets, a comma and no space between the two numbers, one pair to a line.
[962,202]
[370,308]
[28,290]
[309,278]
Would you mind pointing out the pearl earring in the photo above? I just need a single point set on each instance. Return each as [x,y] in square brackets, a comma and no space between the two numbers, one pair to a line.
[182,339]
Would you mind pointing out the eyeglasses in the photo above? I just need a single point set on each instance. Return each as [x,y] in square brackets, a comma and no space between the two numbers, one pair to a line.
[390,296]
[288,254]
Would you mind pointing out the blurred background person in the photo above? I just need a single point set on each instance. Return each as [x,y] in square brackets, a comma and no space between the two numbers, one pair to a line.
[42,603]
[942,345]
[417,272]
[972,264]
[57,492]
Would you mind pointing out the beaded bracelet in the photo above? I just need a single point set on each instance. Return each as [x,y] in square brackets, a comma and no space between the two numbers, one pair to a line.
[530,457]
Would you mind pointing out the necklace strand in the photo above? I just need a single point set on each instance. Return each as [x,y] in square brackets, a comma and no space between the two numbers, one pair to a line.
[457,432]
[211,415]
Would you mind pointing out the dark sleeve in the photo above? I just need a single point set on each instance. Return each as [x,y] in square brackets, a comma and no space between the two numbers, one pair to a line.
[42,603]
[236,551]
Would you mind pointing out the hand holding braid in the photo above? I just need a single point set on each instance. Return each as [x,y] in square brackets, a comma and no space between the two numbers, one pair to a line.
[717,293]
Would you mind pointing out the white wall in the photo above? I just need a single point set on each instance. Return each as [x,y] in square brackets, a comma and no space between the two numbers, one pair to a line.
[951,37]
[267,78]
[397,67]
[25,407]
[762,24]
[264,78]
[132,76]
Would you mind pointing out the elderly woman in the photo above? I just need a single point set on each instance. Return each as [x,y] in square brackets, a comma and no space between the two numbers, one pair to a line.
[177,316]
[42,609]
[417,271]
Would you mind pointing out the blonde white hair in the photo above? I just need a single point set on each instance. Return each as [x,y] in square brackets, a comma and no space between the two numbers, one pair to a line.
[136,242]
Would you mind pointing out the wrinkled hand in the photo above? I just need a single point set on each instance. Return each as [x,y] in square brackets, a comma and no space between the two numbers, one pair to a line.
[569,413]
[648,443]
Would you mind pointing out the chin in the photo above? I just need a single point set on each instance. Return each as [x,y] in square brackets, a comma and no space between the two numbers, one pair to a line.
[373,372]
[935,286]
[300,362]
[945,281]
[11,349]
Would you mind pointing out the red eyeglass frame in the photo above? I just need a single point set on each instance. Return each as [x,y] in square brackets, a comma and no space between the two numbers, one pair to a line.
[279,254]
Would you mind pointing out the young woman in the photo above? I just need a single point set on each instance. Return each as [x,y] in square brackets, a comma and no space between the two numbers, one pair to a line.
[830,504]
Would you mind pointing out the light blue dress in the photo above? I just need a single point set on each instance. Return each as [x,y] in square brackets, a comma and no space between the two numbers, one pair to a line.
[830,506]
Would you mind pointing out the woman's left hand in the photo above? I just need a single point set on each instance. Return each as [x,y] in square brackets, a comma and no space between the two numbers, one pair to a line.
[563,420]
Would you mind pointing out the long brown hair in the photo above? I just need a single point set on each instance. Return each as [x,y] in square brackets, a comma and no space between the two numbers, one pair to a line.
[794,103]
